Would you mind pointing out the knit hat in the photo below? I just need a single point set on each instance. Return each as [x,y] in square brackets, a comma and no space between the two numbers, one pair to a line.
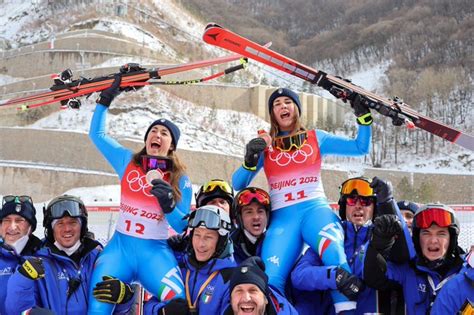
[408,205]
[284,92]
[24,209]
[174,130]
[251,270]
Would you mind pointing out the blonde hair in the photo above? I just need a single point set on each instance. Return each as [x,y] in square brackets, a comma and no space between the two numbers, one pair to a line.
[274,128]
[175,173]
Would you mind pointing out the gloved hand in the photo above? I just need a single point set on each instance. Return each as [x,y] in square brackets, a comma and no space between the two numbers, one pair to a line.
[112,290]
[107,96]
[176,307]
[164,193]
[348,284]
[178,242]
[383,190]
[252,152]
[362,112]
[386,227]
[32,268]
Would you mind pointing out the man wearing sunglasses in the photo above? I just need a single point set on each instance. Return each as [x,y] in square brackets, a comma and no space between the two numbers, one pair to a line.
[18,222]
[438,256]
[361,199]
[252,212]
[59,275]
[206,267]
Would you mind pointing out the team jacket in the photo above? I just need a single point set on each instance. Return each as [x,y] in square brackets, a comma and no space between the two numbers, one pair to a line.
[243,248]
[140,213]
[310,277]
[62,274]
[215,295]
[9,260]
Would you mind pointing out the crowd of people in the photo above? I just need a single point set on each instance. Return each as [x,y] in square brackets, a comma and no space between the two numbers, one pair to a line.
[276,251]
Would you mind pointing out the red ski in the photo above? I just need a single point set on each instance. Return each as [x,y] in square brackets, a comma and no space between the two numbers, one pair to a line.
[398,111]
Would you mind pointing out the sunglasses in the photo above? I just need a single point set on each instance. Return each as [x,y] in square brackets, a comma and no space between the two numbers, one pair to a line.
[439,216]
[357,185]
[248,195]
[364,201]
[17,199]
[67,207]
[217,183]
[207,218]
[287,143]
[150,162]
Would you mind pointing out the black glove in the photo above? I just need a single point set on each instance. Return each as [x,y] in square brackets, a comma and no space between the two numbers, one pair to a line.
[361,111]
[176,307]
[112,290]
[383,190]
[178,242]
[252,152]
[107,96]
[386,227]
[164,193]
[348,284]
[32,268]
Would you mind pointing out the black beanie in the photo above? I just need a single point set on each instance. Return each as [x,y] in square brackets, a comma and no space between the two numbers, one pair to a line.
[23,209]
[408,205]
[251,270]
[284,92]
[174,130]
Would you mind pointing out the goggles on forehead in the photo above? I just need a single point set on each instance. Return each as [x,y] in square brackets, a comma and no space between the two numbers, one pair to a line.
[361,186]
[69,207]
[208,219]
[17,199]
[441,217]
[364,201]
[150,162]
[287,143]
[217,183]
[248,195]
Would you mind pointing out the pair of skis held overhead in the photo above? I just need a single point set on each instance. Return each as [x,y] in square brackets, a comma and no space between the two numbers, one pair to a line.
[67,90]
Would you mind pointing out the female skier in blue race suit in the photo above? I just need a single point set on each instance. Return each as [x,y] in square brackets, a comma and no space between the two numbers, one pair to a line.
[292,162]
[138,249]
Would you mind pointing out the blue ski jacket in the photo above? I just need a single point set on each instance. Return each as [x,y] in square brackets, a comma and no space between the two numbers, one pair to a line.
[9,260]
[65,286]
[243,248]
[215,294]
[457,295]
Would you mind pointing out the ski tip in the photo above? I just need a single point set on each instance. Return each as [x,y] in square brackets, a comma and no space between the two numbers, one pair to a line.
[212,24]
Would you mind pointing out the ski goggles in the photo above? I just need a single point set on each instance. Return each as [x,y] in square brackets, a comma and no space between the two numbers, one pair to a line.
[361,186]
[287,143]
[246,196]
[217,183]
[364,201]
[441,217]
[150,162]
[67,207]
[16,199]
[207,218]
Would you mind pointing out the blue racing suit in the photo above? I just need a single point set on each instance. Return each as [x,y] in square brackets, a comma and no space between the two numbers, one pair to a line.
[9,260]
[139,243]
[300,210]
[209,298]
[51,292]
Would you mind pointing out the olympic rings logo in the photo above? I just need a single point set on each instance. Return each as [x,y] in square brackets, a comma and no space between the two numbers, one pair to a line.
[137,183]
[299,156]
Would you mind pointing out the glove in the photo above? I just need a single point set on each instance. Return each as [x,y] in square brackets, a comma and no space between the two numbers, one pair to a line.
[383,190]
[252,152]
[164,193]
[348,284]
[178,242]
[107,96]
[386,227]
[32,268]
[362,112]
[175,307]
[112,290]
